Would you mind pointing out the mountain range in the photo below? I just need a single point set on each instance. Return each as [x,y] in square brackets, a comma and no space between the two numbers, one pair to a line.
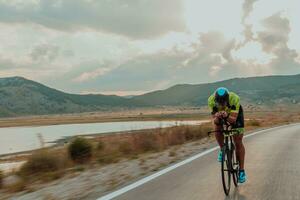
[21,97]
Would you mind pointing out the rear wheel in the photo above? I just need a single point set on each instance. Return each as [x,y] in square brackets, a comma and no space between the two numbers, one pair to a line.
[226,169]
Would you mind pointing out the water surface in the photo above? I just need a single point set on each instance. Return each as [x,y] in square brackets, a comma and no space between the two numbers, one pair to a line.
[18,139]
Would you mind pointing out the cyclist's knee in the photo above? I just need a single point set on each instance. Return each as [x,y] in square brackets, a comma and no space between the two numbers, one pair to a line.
[238,140]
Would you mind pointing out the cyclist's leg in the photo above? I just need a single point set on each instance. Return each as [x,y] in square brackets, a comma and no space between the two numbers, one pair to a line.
[240,149]
[219,136]
[238,139]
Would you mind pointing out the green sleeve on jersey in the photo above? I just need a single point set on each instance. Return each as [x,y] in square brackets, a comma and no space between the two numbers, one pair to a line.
[211,102]
[234,101]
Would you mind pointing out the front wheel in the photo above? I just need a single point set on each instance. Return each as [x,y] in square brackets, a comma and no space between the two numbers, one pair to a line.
[235,166]
[226,169]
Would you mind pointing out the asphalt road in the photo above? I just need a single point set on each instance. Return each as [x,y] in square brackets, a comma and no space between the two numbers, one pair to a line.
[272,167]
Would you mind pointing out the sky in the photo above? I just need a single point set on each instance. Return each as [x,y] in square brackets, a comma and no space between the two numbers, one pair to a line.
[130,47]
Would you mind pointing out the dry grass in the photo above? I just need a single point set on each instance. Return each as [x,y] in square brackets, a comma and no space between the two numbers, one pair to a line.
[43,166]
[253,122]
[16,187]
[39,163]
[172,153]
[112,148]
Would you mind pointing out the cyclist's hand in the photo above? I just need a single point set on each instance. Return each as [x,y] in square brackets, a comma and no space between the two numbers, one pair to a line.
[216,120]
[219,115]
[224,114]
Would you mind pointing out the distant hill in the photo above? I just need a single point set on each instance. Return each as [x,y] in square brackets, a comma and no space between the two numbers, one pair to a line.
[255,90]
[19,96]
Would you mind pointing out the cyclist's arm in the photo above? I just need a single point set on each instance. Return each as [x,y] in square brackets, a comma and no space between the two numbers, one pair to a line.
[232,117]
[213,109]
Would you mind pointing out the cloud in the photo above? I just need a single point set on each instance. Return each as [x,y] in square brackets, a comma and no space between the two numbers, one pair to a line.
[247,33]
[132,18]
[252,52]
[167,67]
[45,52]
[10,63]
[6,63]
[298,59]
[247,8]
[91,75]
[274,40]
[214,70]
[26,66]
[276,33]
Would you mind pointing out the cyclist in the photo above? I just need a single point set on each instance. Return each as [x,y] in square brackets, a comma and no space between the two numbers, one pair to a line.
[226,105]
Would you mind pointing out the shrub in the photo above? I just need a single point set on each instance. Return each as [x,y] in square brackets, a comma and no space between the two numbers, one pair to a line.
[146,142]
[41,162]
[172,154]
[125,148]
[80,150]
[18,186]
[176,137]
[189,134]
[100,145]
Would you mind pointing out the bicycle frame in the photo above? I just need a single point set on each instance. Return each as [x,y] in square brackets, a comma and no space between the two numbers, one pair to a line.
[228,151]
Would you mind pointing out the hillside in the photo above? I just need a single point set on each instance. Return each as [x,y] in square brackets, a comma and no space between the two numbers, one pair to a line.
[254,90]
[20,97]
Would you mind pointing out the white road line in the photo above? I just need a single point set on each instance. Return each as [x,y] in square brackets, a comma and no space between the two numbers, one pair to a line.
[172,167]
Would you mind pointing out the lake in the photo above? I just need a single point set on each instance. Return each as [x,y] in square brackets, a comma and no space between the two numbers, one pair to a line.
[18,139]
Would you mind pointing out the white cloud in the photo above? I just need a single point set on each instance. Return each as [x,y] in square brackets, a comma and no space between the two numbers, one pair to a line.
[247,8]
[45,52]
[298,58]
[87,76]
[117,92]
[252,53]
[131,18]
[220,57]
[214,15]
[214,70]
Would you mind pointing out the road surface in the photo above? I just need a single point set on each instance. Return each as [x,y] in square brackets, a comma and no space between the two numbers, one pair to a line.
[272,166]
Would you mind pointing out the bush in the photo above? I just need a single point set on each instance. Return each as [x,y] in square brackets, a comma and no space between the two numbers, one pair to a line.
[125,148]
[100,145]
[189,134]
[147,142]
[18,186]
[41,162]
[80,150]
[176,137]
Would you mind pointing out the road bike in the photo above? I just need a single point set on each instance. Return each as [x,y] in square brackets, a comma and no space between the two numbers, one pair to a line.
[229,164]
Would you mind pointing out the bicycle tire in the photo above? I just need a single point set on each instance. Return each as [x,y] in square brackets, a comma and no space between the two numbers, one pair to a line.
[235,166]
[226,170]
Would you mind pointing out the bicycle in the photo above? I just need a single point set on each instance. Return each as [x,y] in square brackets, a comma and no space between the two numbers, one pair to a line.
[229,164]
